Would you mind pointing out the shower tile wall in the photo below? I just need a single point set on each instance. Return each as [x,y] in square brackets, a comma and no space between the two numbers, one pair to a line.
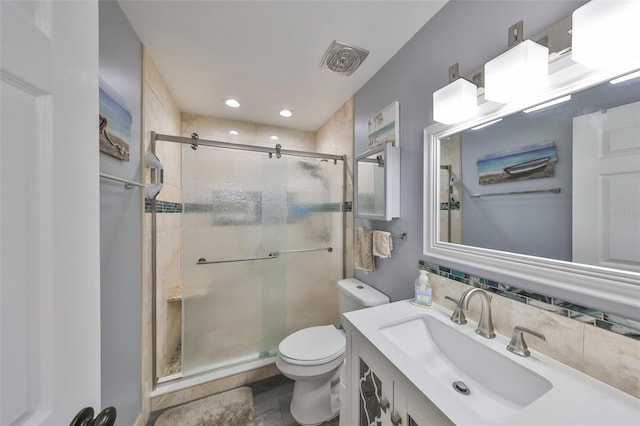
[161,114]
[217,129]
[336,137]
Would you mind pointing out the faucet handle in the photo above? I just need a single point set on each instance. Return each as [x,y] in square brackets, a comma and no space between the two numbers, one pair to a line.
[517,344]
[458,314]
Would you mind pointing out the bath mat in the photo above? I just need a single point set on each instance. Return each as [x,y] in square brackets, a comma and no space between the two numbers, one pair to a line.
[231,408]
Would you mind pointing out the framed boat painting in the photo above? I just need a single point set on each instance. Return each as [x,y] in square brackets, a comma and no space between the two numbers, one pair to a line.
[523,163]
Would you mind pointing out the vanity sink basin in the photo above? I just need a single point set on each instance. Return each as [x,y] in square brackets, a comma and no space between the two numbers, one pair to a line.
[488,382]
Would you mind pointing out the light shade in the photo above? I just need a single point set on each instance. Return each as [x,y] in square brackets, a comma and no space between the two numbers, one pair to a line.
[516,73]
[455,102]
[605,33]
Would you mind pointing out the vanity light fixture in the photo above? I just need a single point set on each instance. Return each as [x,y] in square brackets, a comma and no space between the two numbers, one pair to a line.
[486,124]
[548,104]
[624,78]
[605,33]
[234,132]
[274,138]
[456,101]
[286,113]
[232,103]
[520,71]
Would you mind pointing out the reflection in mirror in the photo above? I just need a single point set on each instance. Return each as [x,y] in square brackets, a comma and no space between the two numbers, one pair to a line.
[528,184]
[371,184]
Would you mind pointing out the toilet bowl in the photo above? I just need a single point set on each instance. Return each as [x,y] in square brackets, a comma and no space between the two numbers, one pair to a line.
[313,357]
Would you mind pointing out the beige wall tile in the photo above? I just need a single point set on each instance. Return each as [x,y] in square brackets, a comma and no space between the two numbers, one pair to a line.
[189,124]
[564,337]
[262,373]
[612,358]
[161,114]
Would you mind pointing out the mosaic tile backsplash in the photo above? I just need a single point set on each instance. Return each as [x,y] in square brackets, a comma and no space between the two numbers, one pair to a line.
[614,323]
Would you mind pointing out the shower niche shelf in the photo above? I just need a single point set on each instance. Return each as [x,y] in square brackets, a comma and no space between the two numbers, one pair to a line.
[175,295]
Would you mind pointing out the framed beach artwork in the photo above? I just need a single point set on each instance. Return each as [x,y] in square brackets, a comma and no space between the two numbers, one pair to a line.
[385,126]
[523,163]
[115,123]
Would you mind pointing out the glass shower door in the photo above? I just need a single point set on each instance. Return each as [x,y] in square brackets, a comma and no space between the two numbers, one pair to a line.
[262,251]
[234,210]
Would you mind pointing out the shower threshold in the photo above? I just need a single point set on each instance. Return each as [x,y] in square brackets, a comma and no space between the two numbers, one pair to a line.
[211,372]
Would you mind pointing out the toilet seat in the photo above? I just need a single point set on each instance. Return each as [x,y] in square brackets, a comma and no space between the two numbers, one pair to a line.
[313,346]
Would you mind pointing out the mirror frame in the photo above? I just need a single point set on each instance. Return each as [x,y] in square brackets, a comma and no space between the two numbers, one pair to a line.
[609,290]
[391,182]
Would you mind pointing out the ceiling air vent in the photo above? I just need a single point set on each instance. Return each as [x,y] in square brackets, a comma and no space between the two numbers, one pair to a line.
[343,58]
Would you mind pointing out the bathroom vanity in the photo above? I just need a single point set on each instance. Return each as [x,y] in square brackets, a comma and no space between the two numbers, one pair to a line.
[408,365]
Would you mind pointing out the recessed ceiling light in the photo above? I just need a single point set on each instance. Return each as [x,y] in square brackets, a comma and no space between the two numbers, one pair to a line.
[286,113]
[232,103]
[234,132]
[274,138]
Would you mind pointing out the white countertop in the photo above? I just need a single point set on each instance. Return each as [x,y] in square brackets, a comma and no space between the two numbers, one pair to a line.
[575,398]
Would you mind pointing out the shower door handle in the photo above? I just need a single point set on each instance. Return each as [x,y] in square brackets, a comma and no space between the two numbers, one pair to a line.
[203,261]
[272,255]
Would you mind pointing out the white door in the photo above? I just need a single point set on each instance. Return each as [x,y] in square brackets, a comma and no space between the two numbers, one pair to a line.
[606,188]
[49,211]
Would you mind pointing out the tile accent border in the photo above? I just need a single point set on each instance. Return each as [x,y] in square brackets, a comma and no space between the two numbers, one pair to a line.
[454,205]
[610,322]
[170,207]
[163,206]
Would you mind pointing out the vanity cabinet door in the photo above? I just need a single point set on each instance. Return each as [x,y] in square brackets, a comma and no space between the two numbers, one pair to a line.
[374,391]
[382,396]
[415,409]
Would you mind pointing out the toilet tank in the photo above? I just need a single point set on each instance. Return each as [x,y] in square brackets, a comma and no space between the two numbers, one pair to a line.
[353,294]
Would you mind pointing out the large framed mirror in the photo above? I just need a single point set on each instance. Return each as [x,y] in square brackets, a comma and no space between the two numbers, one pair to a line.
[377,183]
[546,199]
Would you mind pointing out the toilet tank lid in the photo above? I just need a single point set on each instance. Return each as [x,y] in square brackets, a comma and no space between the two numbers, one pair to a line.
[362,292]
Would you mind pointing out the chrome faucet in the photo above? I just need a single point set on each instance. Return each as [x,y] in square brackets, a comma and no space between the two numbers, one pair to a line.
[485,325]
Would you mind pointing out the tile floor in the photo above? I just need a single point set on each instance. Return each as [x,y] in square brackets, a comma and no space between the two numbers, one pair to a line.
[271,399]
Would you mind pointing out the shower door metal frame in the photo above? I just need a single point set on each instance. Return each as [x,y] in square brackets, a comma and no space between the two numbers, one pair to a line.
[194,142]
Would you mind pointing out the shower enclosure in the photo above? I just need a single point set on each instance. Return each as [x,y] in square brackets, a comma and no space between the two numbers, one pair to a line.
[262,249]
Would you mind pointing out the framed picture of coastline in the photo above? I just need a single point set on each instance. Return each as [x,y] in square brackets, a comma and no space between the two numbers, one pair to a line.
[115,123]
[385,126]
[523,163]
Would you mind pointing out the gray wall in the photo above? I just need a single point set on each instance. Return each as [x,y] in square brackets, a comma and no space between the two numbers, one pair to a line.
[470,33]
[121,226]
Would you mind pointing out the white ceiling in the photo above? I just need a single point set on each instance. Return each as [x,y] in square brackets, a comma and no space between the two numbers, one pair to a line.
[267,54]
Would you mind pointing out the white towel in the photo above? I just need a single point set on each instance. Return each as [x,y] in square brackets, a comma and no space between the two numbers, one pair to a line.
[363,252]
[382,244]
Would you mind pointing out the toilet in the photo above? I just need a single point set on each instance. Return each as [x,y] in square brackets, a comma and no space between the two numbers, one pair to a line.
[313,357]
